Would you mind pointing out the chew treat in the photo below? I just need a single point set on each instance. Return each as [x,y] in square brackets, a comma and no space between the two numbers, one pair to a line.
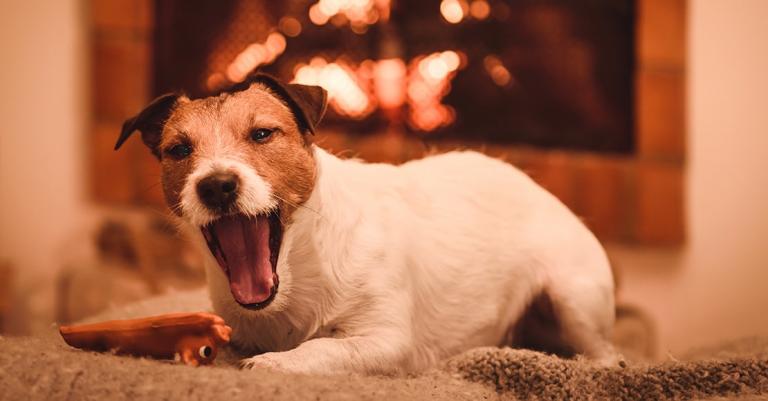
[192,338]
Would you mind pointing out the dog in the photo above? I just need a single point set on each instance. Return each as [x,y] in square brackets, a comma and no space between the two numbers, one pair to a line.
[324,265]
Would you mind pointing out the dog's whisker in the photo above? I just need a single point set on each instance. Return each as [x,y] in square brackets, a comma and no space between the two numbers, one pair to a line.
[150,187]
[296,205]
[176,208]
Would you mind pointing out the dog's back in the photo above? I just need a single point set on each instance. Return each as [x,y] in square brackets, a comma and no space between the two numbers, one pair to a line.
[471,241]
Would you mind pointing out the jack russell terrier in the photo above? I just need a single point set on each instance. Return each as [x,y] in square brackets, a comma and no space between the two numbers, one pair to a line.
[325,265]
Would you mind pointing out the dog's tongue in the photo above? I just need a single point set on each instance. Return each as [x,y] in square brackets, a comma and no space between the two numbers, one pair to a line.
[244,244]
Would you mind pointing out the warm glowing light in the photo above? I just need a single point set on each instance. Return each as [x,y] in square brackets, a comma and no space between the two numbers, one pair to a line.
[254,55]
[290,26]
[480,9]
[317,16]
[215,80]
[436,68]
[418,91]
[383,8]
[339,20]
[317,61]
[429,81]
[451,59]
[501,75]
[389,85]
[329,7]
[306,75]
[389,82]
[358,13]
[359,28]
[372,17]
[250,58]
[345,93]
[497,71]
[490,61]
[453,10]
[275,43]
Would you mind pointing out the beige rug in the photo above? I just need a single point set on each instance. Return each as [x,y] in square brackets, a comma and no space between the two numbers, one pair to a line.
[46,369]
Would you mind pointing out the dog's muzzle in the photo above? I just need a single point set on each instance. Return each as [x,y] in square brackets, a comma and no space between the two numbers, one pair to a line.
[245,246]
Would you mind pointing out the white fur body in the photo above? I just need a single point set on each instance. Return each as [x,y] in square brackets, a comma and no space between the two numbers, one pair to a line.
[391,268]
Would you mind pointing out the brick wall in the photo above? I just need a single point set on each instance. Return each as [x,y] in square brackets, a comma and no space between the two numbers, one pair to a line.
[636,198]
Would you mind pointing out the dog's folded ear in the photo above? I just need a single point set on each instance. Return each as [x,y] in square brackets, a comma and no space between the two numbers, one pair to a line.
[312,100]
[307,102]
[149,122]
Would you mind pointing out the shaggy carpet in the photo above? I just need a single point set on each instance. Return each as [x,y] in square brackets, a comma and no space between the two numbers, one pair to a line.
[46,369]
[526,374]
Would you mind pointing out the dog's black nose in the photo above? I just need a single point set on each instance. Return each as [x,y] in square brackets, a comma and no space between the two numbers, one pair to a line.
[218,191]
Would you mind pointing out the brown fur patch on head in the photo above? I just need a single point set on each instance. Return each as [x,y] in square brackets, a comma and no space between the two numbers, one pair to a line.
[221,126]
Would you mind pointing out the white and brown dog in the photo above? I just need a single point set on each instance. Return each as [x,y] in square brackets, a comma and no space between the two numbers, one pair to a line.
[326,265]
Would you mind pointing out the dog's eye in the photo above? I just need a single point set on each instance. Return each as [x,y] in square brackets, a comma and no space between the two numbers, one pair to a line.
[179,151]
[261,134]
[205,351]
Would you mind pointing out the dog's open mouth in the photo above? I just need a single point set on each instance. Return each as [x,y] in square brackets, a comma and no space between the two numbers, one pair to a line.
[247,248]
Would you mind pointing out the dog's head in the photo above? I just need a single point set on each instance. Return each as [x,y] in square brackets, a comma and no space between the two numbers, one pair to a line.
[236,165]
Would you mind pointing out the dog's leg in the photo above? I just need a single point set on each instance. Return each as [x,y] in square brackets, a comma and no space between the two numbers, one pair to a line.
[364,354]
[585,318]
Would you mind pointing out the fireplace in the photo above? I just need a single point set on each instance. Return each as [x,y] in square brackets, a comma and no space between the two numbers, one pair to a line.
[585,96]
[546,73]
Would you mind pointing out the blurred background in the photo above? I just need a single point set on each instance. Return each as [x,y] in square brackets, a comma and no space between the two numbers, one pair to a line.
[646,117]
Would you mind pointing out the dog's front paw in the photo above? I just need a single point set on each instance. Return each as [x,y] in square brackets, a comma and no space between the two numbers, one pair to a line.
[272,361]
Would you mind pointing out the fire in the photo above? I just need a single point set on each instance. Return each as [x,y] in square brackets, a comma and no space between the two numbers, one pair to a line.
[255,55]
[480,9]
[497,71]
[429,81]
[454,10]
[388,77]
[389,84]
[345,93]
[359,13]
[290,26]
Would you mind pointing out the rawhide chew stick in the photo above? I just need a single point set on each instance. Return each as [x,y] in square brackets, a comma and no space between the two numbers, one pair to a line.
[193,338]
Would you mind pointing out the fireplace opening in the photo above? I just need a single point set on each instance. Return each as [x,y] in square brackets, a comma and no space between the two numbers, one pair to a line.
[543,73]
